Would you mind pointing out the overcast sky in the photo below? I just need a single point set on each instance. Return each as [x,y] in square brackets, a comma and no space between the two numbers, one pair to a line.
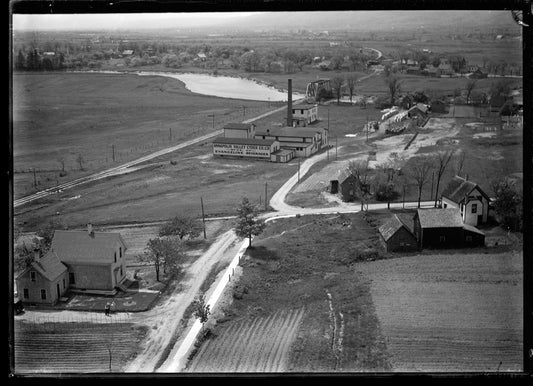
[121,21]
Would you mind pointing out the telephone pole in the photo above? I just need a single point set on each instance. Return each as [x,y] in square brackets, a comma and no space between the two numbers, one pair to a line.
[170,134]
[298,169]
[335,147]
[266,197]
[113,149]
[34,178]
[203,215]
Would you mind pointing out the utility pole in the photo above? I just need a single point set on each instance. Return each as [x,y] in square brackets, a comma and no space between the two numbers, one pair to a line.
[170,134]
[432,178]
[328,119]
[298,169]
[335,147]
[367,128]
[266,197]
[328,147]
[113,148]
[203,215]
[212,115]
[34,178]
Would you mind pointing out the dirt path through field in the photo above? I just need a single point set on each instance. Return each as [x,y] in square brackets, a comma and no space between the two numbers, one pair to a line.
[164,319]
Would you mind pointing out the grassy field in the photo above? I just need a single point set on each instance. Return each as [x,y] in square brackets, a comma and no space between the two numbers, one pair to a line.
[93,115]
[303,263]
[83,347]
[450,312]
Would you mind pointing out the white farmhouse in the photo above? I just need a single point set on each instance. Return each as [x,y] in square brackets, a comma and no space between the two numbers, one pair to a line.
[469,198]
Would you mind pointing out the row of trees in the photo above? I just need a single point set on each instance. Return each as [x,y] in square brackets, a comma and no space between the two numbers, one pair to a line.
[391,177]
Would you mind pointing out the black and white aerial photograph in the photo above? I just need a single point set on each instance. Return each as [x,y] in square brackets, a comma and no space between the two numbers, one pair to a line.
[267,192]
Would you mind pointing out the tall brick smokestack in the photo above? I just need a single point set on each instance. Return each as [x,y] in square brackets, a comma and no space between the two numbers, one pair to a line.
[289,104]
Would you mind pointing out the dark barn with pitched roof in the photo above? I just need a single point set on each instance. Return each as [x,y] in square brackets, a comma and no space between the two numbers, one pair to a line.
[444,228]
[397,235]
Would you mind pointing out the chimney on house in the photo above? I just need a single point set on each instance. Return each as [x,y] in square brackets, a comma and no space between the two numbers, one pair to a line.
[289,104]
[90,230]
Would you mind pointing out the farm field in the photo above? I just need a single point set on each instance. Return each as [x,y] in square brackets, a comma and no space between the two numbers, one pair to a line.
[82,348]
[64,115]
[450,312]
[301,266]
[257,345]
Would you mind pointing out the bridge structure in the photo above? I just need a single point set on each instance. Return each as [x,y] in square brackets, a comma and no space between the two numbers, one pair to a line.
[314,87]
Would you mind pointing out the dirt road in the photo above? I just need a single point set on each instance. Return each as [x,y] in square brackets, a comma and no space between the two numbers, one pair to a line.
[164,319]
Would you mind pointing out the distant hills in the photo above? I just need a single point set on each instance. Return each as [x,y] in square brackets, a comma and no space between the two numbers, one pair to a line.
[375,20]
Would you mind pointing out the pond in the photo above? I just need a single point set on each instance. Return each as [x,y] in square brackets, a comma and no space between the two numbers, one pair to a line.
[227,87]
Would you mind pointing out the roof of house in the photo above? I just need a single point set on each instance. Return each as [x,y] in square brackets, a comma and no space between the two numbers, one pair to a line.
[342,175]
[440,218]
[80,247]
[283,152]
[244,141]
[49,266]
[238,126]
[422,107]
[389,228]
[306,132]
[303,107]
[458,188]
[473,229]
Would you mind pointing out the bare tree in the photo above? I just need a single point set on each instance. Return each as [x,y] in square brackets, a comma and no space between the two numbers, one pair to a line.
[336,84]
[470,85]
[61,160]
[419,172]
[361,171]
[351,80]
[443,158]
[80,160]
[460,161]
[394,85]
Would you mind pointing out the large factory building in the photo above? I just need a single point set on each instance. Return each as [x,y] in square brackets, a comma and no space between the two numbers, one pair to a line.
[276,144]
[245,147]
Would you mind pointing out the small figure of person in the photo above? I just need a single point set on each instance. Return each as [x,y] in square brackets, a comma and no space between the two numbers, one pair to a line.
[107,308]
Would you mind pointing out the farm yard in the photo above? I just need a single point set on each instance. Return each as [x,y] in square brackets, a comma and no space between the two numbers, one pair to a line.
[450,312]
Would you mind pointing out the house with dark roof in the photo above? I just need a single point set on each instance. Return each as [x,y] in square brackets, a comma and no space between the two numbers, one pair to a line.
[418,110]
[45,281]
[469,198]
[397,235]
[95,260]
[444,228]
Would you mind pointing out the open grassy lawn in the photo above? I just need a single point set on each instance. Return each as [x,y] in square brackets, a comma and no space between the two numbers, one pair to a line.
[64,115]
[305,263]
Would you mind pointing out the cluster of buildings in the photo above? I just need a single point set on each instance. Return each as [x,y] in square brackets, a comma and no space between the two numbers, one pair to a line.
[443,70]
[299,138]
[85,260]
[463,207]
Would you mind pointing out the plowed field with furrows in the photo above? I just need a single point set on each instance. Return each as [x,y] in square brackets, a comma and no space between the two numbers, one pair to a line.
[458,312]
[261,344]
[75,349]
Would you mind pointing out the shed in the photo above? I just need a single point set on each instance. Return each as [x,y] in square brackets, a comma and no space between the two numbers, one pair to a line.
[397,235]
[344,183]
